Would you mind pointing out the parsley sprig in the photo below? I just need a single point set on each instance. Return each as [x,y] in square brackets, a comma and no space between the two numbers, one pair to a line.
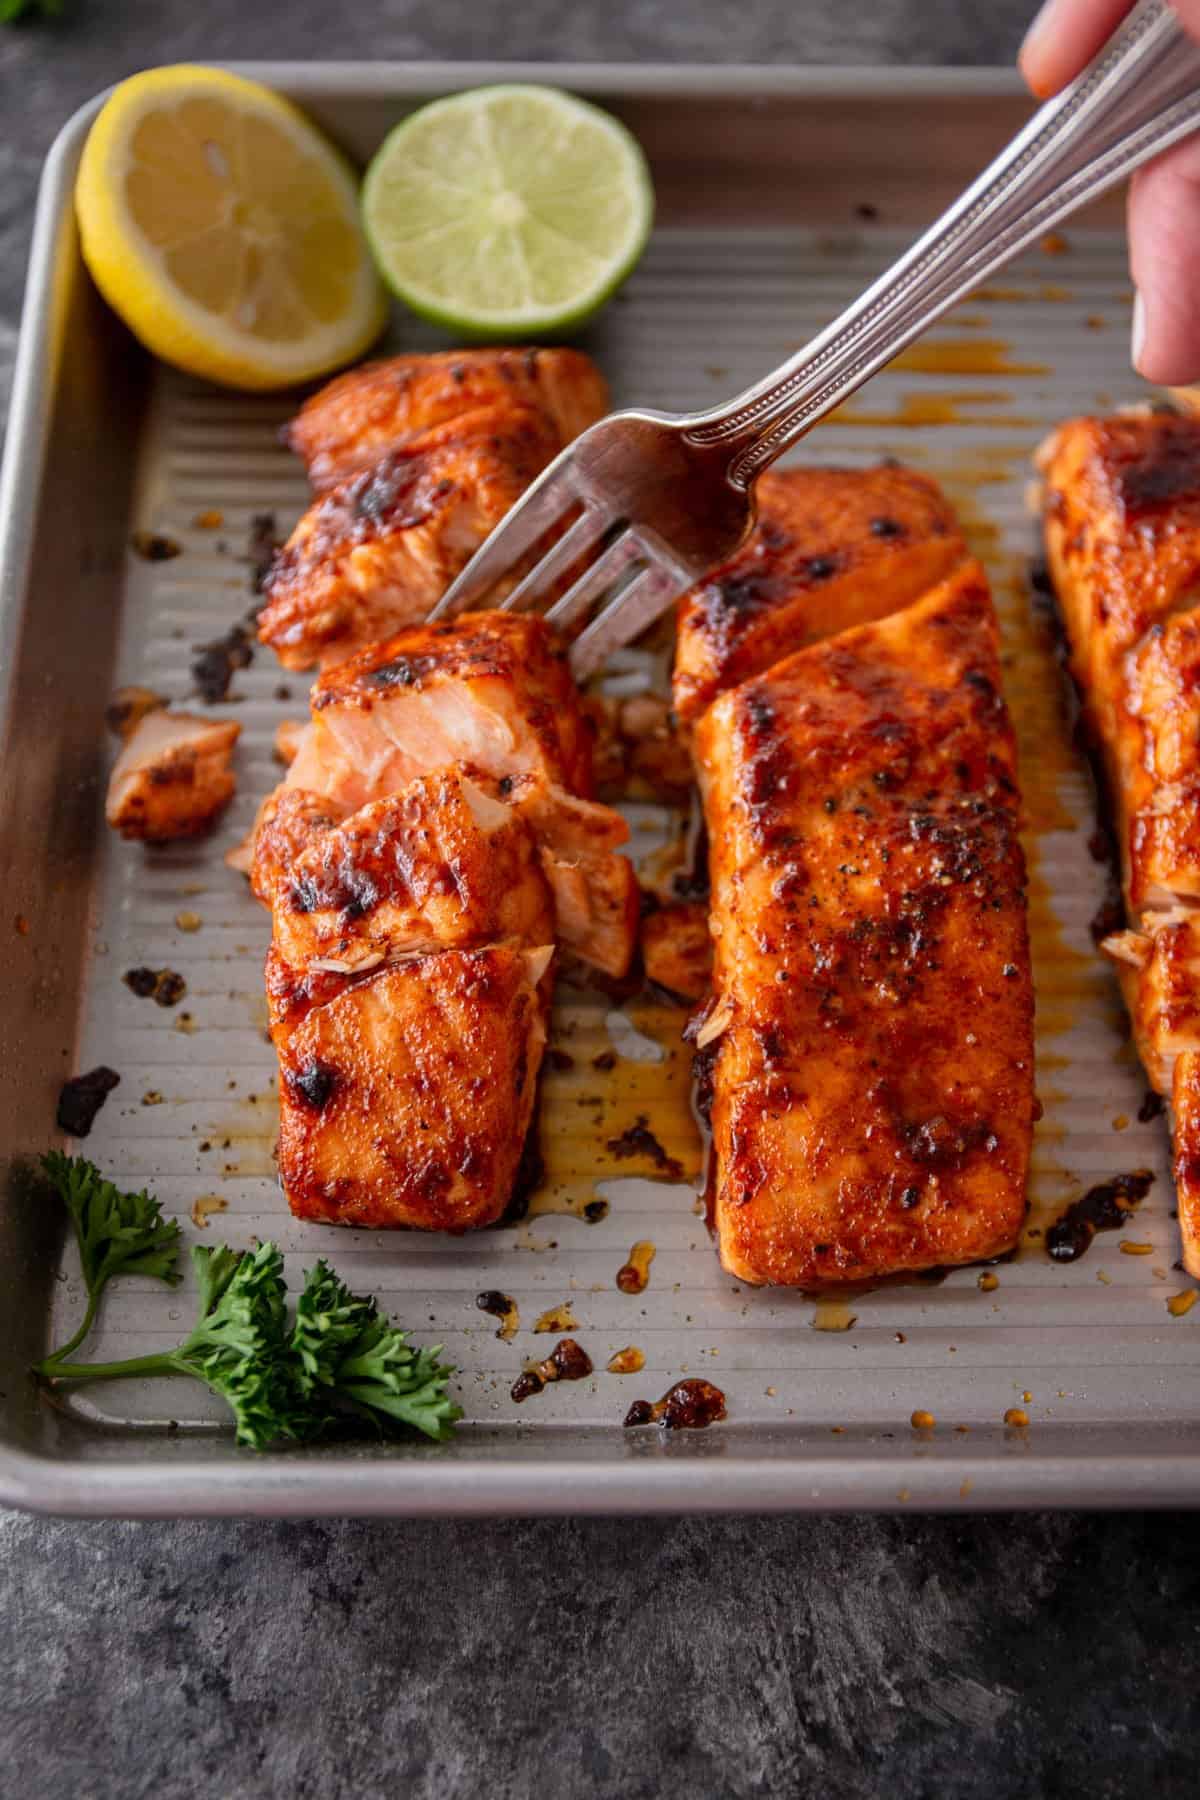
[117,1234]
[11,10]
[340,1359]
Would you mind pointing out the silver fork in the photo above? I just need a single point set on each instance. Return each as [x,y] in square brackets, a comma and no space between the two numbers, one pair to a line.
[651,501]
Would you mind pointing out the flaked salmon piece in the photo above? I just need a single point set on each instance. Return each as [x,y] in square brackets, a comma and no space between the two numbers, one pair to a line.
[677,949]
[360,416]
[406,1094]
[871,1030]
[442,864]
[289,821]
[1159,970]
[596,899]
[375,553]
[490,690]
[173,777]
[832,548]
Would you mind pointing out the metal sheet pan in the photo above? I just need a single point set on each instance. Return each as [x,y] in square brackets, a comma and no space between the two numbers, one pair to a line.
[780,193]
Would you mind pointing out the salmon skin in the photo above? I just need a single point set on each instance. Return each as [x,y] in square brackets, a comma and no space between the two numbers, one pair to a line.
[1121,517]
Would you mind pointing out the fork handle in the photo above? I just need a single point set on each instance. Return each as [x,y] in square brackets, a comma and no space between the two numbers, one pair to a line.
[1139,95]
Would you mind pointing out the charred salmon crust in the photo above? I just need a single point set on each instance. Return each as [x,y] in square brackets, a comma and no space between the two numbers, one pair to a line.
[871,1031]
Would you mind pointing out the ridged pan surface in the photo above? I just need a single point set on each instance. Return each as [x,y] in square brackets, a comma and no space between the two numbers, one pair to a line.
[195,1114]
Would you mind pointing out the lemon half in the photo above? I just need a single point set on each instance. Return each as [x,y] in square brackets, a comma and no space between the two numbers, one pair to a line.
[224,229]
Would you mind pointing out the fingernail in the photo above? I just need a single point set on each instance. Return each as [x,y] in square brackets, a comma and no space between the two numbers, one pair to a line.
[1138,332]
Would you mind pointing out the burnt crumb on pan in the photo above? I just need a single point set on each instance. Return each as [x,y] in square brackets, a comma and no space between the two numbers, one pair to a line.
[638,1140]
[568,1361]
[81,1099]
[1104,1207]
[606,1060]
[154,546]
[689,1406]
[560,1060]
[1108,917]
[502,1307]
[283,691]
[213,665]
[263,542]
[1152,1107]
[595,1210]
[164,986]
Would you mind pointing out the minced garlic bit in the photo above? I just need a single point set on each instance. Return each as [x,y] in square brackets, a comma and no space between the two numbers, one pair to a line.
[988,1281]
[628,1361]
[1181,1304]
[1015,1417]
[204,1207]
[188,921]
[922,1421]
[1129,1248]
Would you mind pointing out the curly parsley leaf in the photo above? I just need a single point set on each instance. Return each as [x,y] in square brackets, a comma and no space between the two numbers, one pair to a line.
[116,1233]
[339,1358]
[346,1351]
[12,10]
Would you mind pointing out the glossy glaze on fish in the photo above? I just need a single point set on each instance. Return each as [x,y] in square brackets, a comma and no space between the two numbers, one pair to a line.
[871,1026]
[1121,510]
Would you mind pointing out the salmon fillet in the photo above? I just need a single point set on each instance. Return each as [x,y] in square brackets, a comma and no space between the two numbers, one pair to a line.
[491,690]
[440,864]
[871,1028]
[1122,528]
[377,551]
[406,1095]
[408,985]
[173,777]
[362,415]
[489,694]
[832,548]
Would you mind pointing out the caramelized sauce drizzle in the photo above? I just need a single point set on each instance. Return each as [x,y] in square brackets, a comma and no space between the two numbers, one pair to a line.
[689,1406]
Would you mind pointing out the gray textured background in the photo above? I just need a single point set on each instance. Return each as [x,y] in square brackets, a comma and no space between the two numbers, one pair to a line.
[981,1658]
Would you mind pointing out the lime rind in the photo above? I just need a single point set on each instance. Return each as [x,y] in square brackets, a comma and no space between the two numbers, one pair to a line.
[513,210]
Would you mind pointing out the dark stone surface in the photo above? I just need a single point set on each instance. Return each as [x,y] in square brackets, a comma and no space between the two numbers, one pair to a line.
[907,1657]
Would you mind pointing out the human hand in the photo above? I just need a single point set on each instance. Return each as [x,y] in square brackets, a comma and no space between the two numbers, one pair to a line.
[1164,196]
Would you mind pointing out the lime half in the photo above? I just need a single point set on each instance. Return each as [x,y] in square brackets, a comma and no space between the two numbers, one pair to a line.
[507,211]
